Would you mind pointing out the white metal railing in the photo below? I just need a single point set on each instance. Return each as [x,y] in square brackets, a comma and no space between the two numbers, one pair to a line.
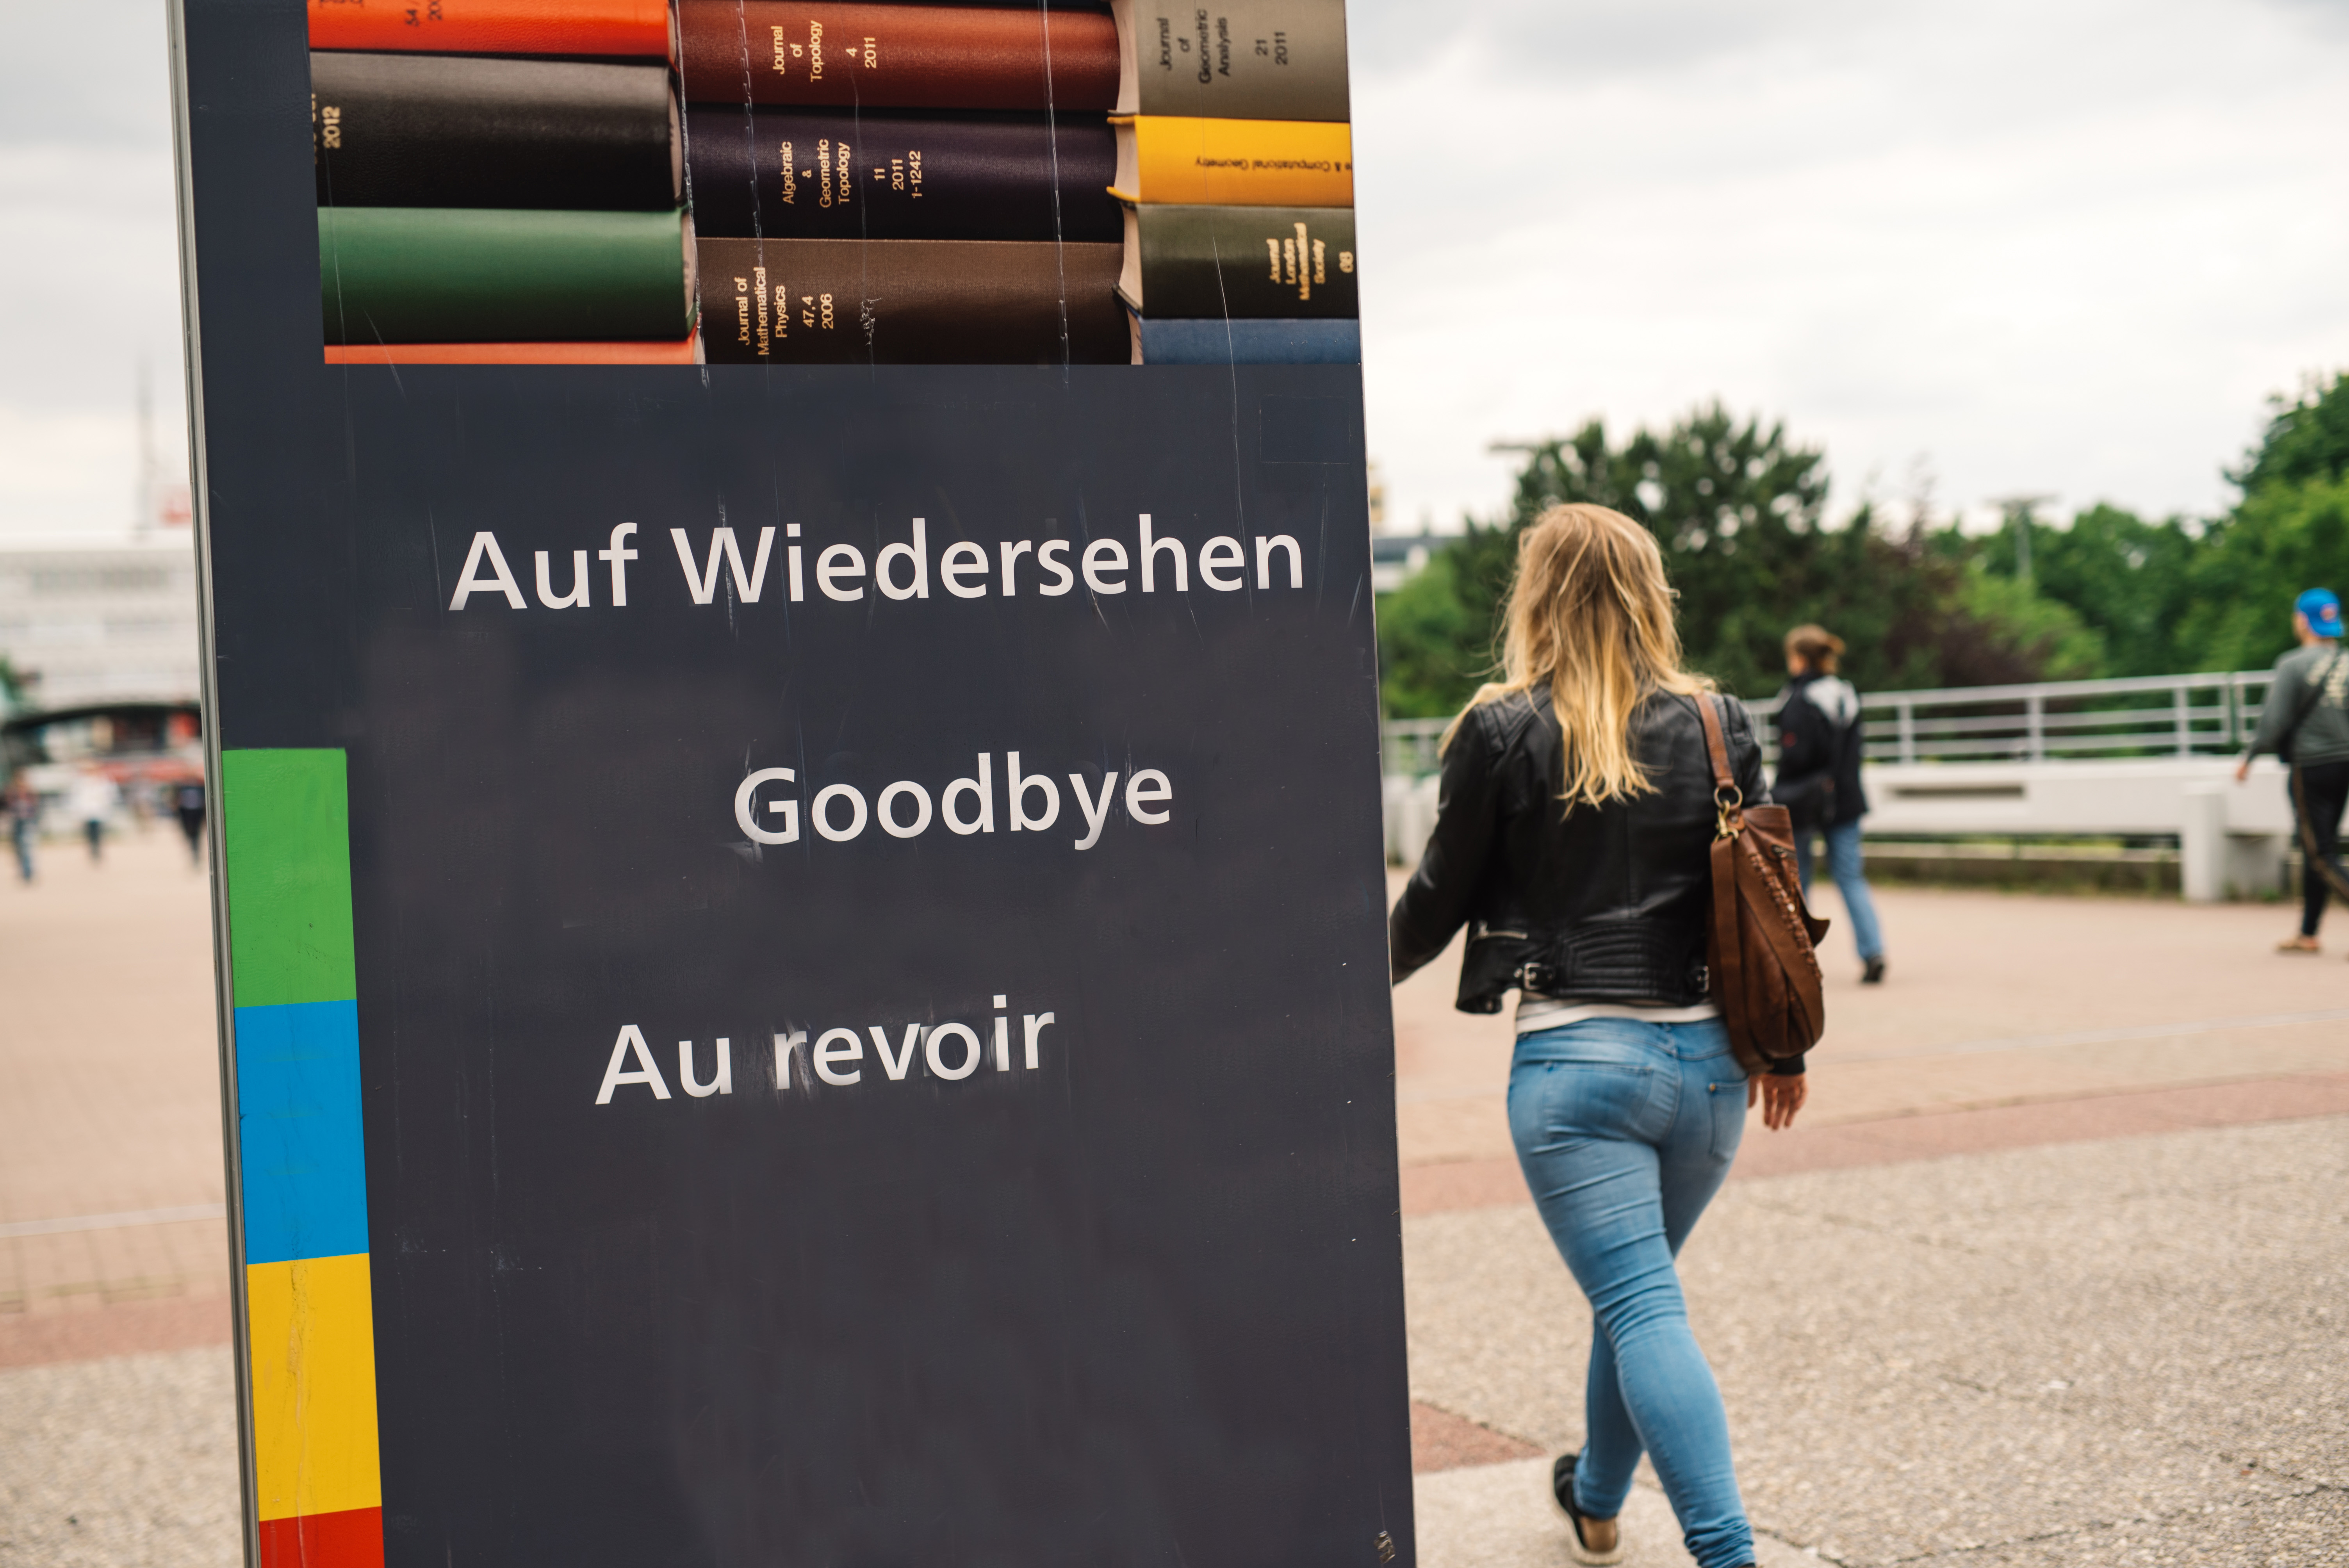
[2148,716]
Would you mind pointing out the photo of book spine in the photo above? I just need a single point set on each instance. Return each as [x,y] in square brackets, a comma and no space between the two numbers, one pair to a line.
[904,183]
[501,181]
[797,181]
[1235,171]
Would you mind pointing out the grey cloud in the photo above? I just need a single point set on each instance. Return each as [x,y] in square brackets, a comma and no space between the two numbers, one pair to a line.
[1524,40]
[84,74]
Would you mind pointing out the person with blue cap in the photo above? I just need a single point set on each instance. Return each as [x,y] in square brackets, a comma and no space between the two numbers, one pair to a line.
[2305,722]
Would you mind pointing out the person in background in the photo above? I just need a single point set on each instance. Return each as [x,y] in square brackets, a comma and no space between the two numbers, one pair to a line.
[1819,748]
[1573,838]
[24,817]
[92,799]
[2306,721]
[188,800]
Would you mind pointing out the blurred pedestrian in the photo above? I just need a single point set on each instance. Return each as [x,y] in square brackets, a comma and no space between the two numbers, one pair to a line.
[2305,722]
[24,817]
[1573,839]
[188,800]
[92,799]
[1820,745]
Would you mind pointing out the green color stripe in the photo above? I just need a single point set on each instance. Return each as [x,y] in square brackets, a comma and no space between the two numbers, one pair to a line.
[460,274]
[285,820]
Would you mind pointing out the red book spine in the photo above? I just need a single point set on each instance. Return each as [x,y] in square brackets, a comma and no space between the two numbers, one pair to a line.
[898,56]
[632,27]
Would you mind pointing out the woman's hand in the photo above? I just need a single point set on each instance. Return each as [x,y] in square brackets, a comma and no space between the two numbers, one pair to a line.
[1781,1097]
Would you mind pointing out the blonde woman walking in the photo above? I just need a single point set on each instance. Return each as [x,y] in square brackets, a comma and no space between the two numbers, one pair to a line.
[1572,838]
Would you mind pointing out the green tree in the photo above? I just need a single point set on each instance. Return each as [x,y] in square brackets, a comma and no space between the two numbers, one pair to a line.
[2306,440]
[1738,511]
[2127,580]
[2282,538]
[1433,644]
[2289,532]
[2001,620]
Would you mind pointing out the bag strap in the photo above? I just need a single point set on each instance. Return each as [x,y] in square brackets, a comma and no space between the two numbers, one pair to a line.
[2316,684]
[1728,799]
[1723,952]
[1714,744]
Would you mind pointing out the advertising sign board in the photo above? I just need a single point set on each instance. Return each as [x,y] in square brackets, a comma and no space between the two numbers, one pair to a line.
[789,631]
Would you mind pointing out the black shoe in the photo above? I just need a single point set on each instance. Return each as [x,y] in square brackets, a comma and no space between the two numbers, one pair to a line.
[1561,1496]
[1874,974]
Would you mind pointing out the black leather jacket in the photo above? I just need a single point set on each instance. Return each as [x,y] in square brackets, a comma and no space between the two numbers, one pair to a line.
[1601,904]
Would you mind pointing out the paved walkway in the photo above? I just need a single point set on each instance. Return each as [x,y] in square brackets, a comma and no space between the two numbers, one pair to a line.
[1995,1001]
[110,1178]
[2053,1272]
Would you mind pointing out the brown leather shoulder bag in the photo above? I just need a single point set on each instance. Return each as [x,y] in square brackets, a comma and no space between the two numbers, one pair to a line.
[1760,945]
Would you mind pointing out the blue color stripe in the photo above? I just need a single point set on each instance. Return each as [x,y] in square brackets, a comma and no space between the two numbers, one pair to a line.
[302,1138]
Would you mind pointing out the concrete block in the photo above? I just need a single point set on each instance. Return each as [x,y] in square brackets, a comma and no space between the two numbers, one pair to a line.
[2202,841]
[2133,796]
[2258,865]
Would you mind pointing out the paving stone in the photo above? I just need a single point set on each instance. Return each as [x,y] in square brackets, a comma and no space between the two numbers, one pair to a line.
[126,1462]
[1496,1517]
[1441,1440]
[2307,1531]
[1966,1355]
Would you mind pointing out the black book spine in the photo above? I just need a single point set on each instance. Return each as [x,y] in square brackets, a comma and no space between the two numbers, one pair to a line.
[833,174]
[441,130]
[1251,264]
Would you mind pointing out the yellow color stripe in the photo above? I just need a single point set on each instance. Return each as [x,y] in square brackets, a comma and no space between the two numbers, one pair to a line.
[1234,162]
[314,1429]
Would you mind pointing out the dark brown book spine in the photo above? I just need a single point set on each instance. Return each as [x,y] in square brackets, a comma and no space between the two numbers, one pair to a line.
[898,56]
[911,302]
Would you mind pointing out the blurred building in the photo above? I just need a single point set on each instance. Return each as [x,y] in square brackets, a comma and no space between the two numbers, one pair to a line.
[1397,558]
[84,623]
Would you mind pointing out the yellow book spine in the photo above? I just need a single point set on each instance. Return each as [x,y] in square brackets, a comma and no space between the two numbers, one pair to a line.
[1165,159]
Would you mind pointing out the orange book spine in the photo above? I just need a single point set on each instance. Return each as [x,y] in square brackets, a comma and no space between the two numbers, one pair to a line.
[685,353]
[633,27]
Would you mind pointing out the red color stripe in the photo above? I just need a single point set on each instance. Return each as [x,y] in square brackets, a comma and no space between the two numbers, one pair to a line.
[352,1539]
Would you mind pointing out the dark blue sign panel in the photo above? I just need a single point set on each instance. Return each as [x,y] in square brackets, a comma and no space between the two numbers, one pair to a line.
[857,874]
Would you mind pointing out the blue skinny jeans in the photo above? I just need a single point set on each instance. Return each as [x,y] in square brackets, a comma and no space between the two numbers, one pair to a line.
[1625,1132]
[1844,865]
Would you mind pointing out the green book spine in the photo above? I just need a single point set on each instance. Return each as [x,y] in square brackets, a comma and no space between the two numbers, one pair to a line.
[446,275]
[1232,59]
[1243,263]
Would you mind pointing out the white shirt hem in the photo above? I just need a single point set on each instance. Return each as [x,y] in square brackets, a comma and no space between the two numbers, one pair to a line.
[1538,1013]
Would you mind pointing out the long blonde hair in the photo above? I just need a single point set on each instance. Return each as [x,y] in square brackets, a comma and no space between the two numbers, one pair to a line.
[1590,612]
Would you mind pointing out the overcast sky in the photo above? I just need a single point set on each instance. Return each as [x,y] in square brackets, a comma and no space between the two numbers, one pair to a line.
[2039,248]
[2046,248]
